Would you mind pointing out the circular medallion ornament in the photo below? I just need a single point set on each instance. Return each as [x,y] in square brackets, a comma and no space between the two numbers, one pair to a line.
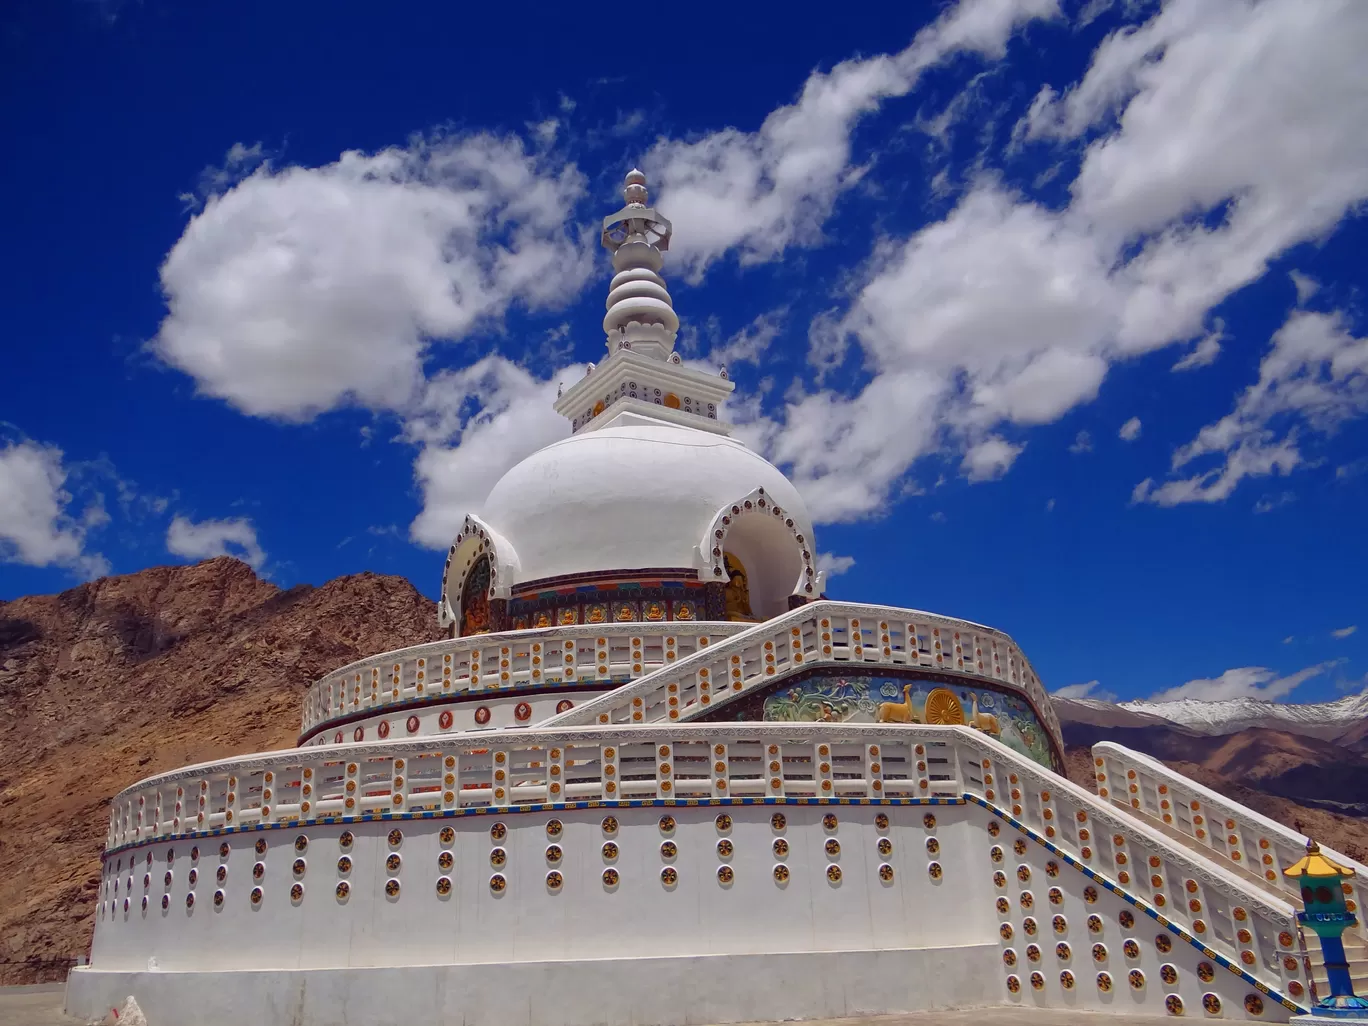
[481,715]
[781,848]
[257,895]
[994,828]
[444,885]
[344,864]
[392,863]
[725,874]
[996,853]
[1030,926]
[1056,896]
[1027,899]
[1173,1004]
[1090,894]
[258,870]
[1060,924]
[1094,924]
[297,893]
[261,846]
[1063,952]
[1211,1003]
[396,838]
[497,883]
[886,872]
[609,825]
[781,874]
[554,880]
[1164,943]
[1009,957]
[392,888]
[345,840]
[445,860]
[881,821]
[1003,906]
[1023,873]
[829,821]
[497,856]
[1005,931]
[498,832]
[1169,974]
[522,712]
[1066,980]
[1205,972]
[1013,984]
[886,847]
[833,873]
[669,876]
[1099,952]
[298,867]
[1033,952]
[411,724]
[667,824]
[1104,982]
[929,821]
[1019,846]
[383,730]
[1000,879]
[445,719]
[934,870]
[218,899]
[1254,1004]
[359,734]
[1037,981]
[564,705]
[554,828]
[833,847]
[343,890]
[610,851]
[1131,949]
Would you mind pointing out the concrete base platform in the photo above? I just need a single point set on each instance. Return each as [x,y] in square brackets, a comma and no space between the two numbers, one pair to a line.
[608,992]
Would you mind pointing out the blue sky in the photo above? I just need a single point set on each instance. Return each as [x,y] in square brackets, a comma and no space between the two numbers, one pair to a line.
[1053,310]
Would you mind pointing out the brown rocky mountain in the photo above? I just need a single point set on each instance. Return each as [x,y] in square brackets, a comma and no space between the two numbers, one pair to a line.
[129,676]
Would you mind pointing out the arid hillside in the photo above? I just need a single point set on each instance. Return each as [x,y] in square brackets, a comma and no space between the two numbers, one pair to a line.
[128,676]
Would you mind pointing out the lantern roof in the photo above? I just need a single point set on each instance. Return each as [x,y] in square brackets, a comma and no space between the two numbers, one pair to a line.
[1316,864]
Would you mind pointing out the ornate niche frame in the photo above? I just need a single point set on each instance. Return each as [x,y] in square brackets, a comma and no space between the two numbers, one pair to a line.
[474,540]
[809,582]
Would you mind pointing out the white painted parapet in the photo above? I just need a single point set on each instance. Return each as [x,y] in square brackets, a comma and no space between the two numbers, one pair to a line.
[814,634]
[1237,838]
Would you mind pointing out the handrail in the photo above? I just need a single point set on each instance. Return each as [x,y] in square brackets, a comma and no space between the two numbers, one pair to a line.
[479,663]
[1230,832]
[819,633]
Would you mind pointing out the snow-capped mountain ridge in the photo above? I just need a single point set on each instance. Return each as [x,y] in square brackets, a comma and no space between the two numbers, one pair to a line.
[1233,713]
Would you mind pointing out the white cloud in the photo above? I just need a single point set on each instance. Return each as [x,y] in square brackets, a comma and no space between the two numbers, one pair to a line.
[1130,430]
[763,191]
[1244,682]
[472,425]
[1090,689]
[301,289]
[1011,312]
[209,538]
[1305,285]
[38,525]
[834,565]
[1344,632]
[1271,502]
[1082,443]
[1314,377]
[1204,353]
[1049,506]
[989,459]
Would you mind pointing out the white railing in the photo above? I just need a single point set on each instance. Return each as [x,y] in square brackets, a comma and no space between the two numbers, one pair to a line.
[1233,835]
[819,633]
[1253,929]
[514,659]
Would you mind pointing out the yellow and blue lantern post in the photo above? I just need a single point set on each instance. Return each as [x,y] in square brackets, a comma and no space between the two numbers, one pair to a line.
[1328,917]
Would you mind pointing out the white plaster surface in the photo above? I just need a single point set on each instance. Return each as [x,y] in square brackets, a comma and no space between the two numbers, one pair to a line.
[587,992]
[634,494]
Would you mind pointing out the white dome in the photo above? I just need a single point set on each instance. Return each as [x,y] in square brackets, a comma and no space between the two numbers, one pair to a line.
[640,493]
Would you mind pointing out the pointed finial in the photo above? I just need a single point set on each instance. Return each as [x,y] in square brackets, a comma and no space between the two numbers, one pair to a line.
[641,313]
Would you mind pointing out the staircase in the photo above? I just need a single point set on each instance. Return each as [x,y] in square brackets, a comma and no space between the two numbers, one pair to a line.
[1238,839]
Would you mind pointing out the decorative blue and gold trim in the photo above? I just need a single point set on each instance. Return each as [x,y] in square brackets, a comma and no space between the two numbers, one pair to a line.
[1138,903]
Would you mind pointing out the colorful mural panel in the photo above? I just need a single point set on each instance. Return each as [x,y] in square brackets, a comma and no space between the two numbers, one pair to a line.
[847,698]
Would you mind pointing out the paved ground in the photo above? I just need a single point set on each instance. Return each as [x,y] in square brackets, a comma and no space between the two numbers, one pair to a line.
[42,1006]
[34,1006]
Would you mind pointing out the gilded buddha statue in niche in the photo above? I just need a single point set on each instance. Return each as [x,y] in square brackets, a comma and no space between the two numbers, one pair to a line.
[475,599]
[736,593]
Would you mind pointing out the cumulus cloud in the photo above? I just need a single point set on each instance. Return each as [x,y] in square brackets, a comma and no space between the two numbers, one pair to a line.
[1012,312]
[1204,353]
[1305,285]
[472,425]
[989,459]
[758,193]
[298,289]
[1090,689]
[209,538]
[1082,443]
[1130,430]
[1314,378]
[39,525]
[1344,632]
[833,565]
[1243,682]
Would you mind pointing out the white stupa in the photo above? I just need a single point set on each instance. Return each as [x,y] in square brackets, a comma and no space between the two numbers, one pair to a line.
[649,774]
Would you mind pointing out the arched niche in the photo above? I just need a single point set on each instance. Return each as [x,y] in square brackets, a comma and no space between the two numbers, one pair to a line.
[761,539]
[477,549]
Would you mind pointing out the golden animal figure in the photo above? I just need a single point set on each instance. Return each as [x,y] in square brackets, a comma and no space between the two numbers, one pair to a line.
[898,712]
[986,722]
